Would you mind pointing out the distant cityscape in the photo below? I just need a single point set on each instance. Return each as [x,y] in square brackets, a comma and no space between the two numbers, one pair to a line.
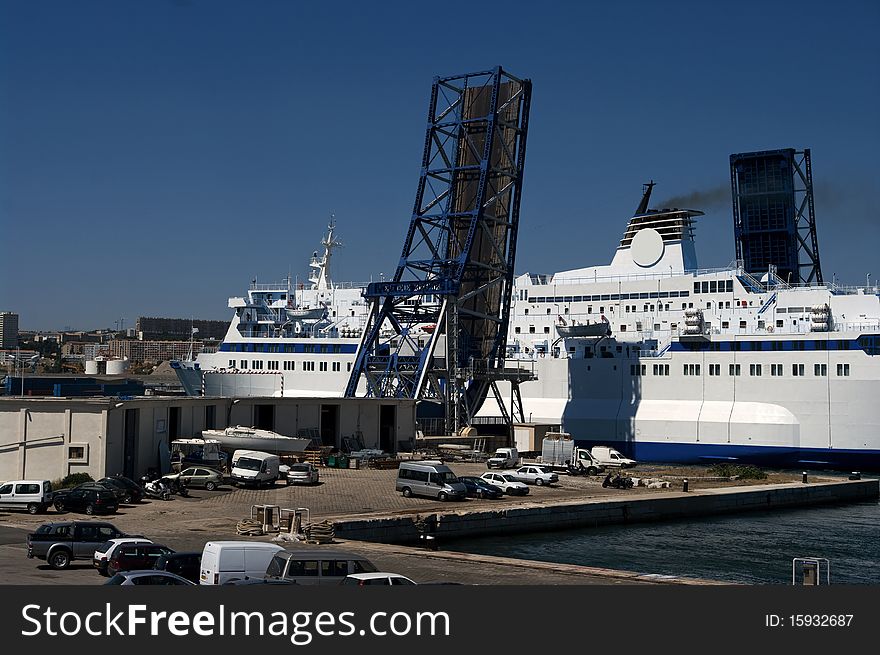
[140,349]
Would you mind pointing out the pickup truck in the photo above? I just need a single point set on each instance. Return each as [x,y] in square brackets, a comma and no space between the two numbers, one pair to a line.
[60,543]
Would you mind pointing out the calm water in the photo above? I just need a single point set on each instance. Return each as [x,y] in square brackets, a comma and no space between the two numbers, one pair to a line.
[746,548]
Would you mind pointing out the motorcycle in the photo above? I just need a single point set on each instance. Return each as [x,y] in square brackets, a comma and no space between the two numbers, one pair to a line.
[618,482]
[156,489]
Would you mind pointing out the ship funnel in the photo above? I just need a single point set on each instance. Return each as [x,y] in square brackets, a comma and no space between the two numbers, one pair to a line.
[646,198]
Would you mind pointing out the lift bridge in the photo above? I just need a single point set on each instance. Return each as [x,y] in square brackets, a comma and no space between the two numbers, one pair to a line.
[437,331]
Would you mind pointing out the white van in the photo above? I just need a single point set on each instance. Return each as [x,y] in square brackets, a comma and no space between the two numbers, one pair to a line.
[225,561]
[253,467]
[33,495]
[609,457]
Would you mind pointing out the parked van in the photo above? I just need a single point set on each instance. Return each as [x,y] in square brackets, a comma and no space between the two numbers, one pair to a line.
[609,457]
[429,478]
[316,567]
[33,495]
[225,561]
[253,467]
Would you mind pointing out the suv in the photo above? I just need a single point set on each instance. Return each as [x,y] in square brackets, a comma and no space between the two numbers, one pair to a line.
[186,565]
[91,501]
[131,493]
[135,557]
[59,543]
[33,495]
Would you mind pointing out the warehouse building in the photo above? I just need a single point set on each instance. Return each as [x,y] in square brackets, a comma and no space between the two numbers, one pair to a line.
[49,438]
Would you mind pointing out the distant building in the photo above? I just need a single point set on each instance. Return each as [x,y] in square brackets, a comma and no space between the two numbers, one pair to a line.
[139,352]
[152,329]
[8,330]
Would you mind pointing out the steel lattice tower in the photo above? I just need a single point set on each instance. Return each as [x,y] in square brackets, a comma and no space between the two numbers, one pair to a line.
[774,219]
[456,269]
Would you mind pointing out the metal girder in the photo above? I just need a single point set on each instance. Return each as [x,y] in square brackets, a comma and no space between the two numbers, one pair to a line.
[456,268]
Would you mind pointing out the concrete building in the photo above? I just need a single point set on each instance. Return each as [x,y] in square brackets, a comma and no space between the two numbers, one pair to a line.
[153,329]
[8,330]
[49,438]
[153,351]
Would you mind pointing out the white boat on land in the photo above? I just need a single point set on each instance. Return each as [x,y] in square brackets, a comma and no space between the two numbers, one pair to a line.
[240,437]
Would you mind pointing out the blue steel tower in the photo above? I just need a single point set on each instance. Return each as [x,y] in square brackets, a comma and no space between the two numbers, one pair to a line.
[456,269]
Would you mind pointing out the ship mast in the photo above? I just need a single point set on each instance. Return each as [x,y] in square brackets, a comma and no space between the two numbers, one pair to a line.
[320,274]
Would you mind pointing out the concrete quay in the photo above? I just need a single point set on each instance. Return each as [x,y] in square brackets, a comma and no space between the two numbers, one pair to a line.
[591,512]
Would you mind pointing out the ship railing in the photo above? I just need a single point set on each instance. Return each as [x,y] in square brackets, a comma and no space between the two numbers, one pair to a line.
[282,286]
[639,276]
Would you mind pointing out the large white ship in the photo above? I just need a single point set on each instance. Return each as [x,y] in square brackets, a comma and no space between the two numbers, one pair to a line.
[667,361]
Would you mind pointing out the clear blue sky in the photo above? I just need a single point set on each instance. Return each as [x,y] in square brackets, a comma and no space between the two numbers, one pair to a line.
[156,155]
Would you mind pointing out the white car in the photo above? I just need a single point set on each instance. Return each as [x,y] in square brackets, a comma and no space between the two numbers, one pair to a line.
[304,473]
[534,475]
[105,551]
[378,578]
[507,483]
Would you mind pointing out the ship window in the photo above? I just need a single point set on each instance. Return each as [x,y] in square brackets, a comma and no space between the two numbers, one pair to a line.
[272,366]
[734,369]
[696,287]
[755,370]
[623,328]
[673,294]
[779,324]
[531,329]
[516,329]
[730,286]
[725,324]
[713,286]
[797,370]
[567,299]
[776,370]
[605,296]
[323,366]
[642,296]
[336,366]
[705,287]
[548,310]
[820,370]
[775,345]
[348,368]
[231,363]
[843,370]
[624,296]
[742,325]
[546,329]
[652,308]
[589,309]
[337,349]
[527,311]
[663,294]
[715,369]
[244,363]
[820,345]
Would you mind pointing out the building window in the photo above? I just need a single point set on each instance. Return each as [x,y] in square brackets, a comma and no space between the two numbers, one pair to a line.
[755,370]
[734,369]
[797,370]
[78,453]
[820,370]
[843,370]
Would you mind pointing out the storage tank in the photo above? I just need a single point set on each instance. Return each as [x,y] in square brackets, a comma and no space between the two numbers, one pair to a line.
[117,366]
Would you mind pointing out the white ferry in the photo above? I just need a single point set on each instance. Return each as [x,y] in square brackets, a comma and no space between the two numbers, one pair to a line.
[285,339]
[668,362]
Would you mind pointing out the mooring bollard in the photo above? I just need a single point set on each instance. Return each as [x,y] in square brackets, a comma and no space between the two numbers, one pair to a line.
[684,485]
[805,477]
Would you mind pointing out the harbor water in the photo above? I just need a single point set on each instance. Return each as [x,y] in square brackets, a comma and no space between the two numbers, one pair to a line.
[754,548]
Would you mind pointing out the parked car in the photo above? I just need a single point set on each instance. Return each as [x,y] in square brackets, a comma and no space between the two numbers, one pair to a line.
[60,543]
[225,561]
[137,556]
[479,488]
[534,475]
[506,482]
[90,501]
[254,467]
[303,473]
[376,579]
[147,577]
[610,457]
[186,565]
[503,458]
[105,551]
[197,476]
[118,493]
[33,495]
[131,493]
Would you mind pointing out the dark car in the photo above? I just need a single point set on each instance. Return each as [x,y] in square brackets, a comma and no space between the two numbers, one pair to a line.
[117,492]
[59,543]
[479,488]
[90,501]
[128,557]
[186,565]
[128,578]
[131,493]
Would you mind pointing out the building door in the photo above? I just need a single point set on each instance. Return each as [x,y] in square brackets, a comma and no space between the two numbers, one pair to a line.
[129,442]
[388,428]
[173,423]
[210,417]
[264,417]
[329,424]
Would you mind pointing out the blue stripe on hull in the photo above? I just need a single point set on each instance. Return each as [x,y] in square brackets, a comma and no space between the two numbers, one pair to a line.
[773,456]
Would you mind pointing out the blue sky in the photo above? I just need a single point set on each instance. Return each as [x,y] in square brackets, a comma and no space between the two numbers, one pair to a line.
[155,156]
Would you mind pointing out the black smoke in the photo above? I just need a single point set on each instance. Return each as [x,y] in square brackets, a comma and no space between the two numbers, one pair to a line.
[707,199]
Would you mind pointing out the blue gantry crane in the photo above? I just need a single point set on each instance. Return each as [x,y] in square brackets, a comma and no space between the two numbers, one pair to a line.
[437,330]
